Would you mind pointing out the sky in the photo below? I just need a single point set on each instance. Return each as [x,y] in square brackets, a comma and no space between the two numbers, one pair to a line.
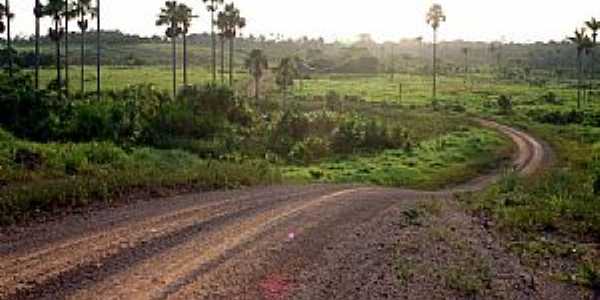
[343,20]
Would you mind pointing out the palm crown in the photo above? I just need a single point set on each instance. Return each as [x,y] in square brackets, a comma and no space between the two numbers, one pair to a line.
[213,4]
[83,8]
[2,13]
[594,26]
[169,15]
[256,63]
[56,10]
[184,16]
[581,40]
[234,20]
[435,16]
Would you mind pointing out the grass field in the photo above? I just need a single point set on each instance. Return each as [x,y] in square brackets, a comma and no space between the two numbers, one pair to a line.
[434,163]
[118,77]
[416,89]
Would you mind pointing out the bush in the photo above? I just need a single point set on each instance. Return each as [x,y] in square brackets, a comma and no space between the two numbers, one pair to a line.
[505,104]
[551,98]
[309,151]
[333,101]
[558,117]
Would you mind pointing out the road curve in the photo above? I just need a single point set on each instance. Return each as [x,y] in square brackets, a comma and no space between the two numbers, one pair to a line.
[277,242]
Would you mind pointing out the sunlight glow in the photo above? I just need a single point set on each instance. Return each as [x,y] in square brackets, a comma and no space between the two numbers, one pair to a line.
[344,20]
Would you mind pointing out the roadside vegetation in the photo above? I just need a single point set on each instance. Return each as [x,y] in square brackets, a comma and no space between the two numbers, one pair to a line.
[305,110]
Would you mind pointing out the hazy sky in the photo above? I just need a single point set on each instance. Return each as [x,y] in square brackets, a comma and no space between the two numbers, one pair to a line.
[517,20]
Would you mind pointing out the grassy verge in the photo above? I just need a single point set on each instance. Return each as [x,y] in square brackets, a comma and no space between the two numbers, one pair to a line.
[41,177]
[553,219]
[434,163]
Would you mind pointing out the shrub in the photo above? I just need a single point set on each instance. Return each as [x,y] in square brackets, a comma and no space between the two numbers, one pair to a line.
[349,135]
[333,101]
[551,98]
[558,117]
[505,104]
[309,151]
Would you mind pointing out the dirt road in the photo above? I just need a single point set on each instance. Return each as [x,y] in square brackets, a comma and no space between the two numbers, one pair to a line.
[279,242]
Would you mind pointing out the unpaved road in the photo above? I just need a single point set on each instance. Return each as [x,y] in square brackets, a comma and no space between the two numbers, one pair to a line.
[299,242]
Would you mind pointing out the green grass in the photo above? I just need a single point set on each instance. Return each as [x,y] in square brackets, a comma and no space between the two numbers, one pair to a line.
[38,177]
[119,77]
[434,163]
[416,89]
[555,214]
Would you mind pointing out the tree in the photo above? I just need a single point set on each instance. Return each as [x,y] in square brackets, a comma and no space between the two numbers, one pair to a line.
[222,26]
[68,14]
[2,22]
[5,13]
[286,73]
[169,16]
[55,10]
[235,22]
[465,52]
[212,7]
[185,17]
[98,57]
[83,9]
[37,12]
[435,17]
[582,42]
[496,50]
[257,63]
[594,26]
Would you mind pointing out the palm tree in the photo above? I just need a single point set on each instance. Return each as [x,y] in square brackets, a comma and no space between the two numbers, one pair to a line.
[583,42]
[98,65]
[212,7]
[185,17]
[435,17]
[2,24]
[299,66]
[68,13]
[235,22]
[8,15]
[222,27]
[55,10]
[37,12]
[257,63]
[83,9]
[496,52]
[286,72]
[169,16]
[465,52]
[594,26]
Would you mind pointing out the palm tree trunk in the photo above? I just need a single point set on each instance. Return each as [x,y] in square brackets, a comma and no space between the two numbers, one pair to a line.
[174,42]
[231,42]
[466,68]
[222,60]
[82,59]
[37,44]
[592,74]
[213,41]
[434,64]
[580,68]
[58,66]
[67,49]
[256,87]
[8,39]
[98,50]
[185,60]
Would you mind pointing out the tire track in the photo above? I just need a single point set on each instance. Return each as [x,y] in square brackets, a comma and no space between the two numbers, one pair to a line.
[198,249]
